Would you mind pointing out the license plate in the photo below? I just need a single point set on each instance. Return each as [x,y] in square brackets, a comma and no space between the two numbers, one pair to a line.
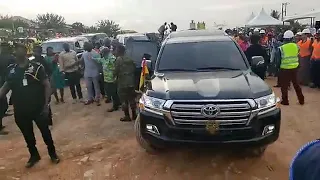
[212,127]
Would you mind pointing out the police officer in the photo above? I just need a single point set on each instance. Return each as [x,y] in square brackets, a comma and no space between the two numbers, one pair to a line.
[31,91]
[124,73]
[289,64]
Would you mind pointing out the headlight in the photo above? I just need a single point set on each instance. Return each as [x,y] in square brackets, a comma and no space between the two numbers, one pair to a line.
[151,102]
[266,101]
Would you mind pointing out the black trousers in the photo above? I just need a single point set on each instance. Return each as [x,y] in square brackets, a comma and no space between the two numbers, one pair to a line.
[111,89]
[74,84]
[50,114]
[285,77]
[25,124]
[315,72]
[101,84]
[3,109]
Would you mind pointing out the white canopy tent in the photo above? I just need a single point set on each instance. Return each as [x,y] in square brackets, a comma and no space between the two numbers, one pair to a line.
[252,15]
[263,19]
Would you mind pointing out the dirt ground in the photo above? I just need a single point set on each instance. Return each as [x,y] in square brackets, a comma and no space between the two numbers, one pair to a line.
[94,144]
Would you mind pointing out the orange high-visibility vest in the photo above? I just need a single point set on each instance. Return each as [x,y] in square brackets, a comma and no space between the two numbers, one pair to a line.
[316,50]
[304,48]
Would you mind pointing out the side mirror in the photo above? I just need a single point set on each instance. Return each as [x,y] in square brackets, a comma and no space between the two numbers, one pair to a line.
[257,61]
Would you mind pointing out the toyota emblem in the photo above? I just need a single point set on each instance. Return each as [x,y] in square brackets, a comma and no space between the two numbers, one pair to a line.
[210,111]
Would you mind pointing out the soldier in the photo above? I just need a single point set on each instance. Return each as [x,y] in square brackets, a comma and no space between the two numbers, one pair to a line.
[124,73]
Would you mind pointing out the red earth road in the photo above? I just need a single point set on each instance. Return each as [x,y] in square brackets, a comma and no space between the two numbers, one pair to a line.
[94,144]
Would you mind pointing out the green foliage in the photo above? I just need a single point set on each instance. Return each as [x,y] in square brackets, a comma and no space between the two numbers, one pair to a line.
[109,27]
[56,23]
[78,26]
[50,21]
[296,26]
[92,29]
[6,22]
[275,14]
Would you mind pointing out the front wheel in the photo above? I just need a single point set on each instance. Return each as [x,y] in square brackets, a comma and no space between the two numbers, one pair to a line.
[149,147]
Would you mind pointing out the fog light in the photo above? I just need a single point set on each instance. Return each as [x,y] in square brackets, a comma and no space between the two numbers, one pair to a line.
[268,130]
[152,129]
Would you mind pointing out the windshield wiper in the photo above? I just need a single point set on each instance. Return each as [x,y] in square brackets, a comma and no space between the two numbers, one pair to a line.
[217,68]
[176,69]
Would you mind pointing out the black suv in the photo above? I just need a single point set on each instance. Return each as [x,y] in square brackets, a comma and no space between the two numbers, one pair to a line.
[204,91]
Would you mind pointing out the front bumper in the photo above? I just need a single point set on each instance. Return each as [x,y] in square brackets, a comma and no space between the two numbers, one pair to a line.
[251,134]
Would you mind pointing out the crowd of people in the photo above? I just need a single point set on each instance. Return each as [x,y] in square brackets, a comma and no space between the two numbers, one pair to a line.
[293,58]
[109,74]
[33,82]
[304,51]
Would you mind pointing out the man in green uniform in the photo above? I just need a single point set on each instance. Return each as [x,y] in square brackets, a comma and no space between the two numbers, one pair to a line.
[30,91]
[124,73]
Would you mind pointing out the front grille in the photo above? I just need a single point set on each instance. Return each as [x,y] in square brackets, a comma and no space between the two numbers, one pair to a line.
[232,113]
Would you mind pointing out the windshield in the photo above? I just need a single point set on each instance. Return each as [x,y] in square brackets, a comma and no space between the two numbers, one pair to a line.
[57,46]
[201,56]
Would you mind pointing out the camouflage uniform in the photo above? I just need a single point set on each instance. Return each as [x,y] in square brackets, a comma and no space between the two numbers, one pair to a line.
[124,72]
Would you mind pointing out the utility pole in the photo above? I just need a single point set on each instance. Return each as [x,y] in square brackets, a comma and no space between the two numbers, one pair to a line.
[284,10]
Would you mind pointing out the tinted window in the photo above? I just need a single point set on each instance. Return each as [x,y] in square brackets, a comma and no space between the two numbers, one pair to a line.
[57,46]
[136,50]
[197,55]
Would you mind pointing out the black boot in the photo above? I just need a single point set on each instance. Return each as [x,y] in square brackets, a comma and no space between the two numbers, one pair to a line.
[34,157]
[53,155]
[126,115]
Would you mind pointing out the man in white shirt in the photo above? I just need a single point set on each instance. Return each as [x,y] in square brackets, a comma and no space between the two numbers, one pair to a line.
[69,66]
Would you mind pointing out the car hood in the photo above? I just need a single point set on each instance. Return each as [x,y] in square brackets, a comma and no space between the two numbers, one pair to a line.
[208,85]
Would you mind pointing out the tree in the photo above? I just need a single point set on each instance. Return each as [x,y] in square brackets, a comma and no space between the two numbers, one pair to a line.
[92,29]
[295,26]
[7,22]
[275,14]
[78,26]
[50,21]
[109,27]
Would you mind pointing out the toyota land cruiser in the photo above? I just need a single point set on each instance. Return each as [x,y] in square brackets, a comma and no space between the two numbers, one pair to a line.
[204,91]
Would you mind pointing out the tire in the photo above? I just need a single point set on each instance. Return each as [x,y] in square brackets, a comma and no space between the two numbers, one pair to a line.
[258,152]
[146,145]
